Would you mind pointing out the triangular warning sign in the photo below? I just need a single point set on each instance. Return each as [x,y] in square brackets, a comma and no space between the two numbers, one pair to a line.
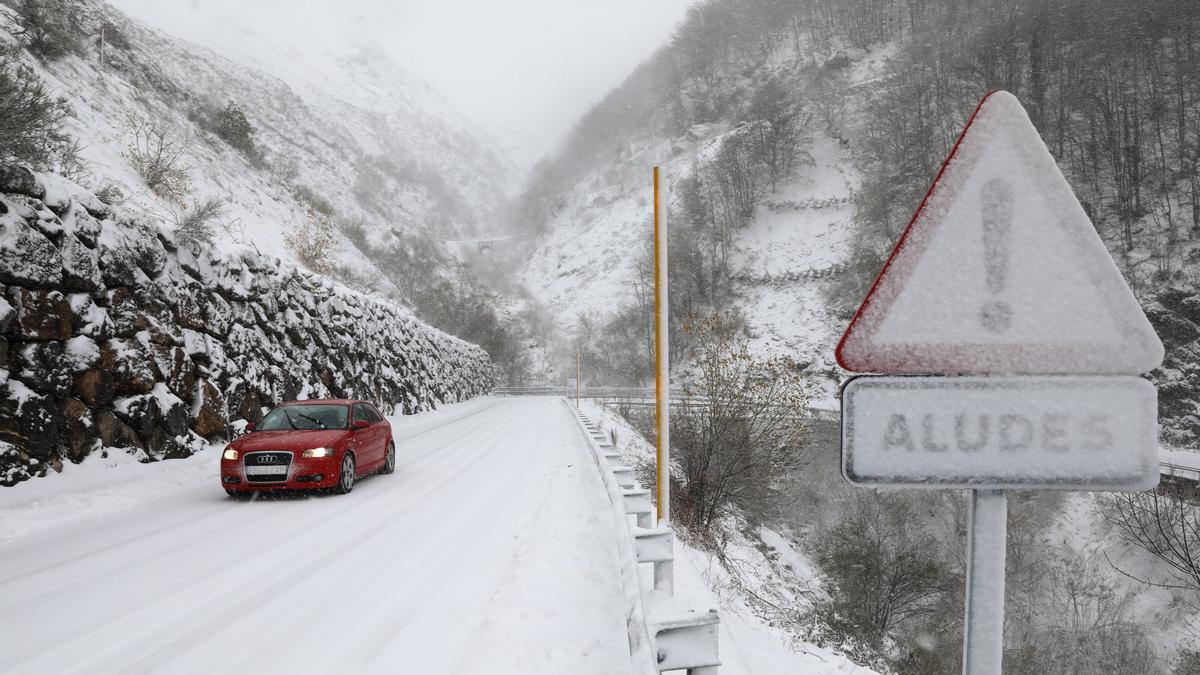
[1000,271]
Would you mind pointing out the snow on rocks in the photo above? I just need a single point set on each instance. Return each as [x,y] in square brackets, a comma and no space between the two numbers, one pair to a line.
[26,256]
[115,336]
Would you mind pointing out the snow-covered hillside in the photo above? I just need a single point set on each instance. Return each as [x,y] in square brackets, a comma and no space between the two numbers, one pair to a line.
[343,133]
[783,262]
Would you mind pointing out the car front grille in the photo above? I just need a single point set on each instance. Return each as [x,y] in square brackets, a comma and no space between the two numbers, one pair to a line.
[267,467]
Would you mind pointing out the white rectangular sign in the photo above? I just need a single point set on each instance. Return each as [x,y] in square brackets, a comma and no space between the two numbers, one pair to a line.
[1075,433]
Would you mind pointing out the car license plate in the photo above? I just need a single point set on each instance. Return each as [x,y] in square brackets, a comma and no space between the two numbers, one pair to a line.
[266,471]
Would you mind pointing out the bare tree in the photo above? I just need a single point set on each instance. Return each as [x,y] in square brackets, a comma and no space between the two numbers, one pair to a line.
[883,570]
[738,429]
[734,181]
[1083,626]
[156,151]
[314,242]
[198,223]
[1164,526]
[778,127]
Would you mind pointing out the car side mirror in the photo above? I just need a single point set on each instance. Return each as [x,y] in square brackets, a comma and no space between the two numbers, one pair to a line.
[250,427]
[360,424]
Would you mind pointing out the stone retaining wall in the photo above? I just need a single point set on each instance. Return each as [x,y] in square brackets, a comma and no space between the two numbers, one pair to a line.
[115,337]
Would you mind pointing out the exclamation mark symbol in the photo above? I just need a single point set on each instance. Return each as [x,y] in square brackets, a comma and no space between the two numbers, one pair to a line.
[996,314]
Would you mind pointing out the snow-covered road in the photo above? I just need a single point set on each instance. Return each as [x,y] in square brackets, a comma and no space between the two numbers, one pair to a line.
[490,550]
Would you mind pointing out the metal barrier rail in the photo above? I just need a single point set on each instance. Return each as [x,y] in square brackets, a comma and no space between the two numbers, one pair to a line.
[1179,472]
[663,635]
[642,650]
[638,397]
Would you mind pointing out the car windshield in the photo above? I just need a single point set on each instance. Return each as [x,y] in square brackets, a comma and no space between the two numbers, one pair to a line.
[305,417]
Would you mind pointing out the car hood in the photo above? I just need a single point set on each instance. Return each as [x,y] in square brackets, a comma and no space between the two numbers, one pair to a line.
[289,440]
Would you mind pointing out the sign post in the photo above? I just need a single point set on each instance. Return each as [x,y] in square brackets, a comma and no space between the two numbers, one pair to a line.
[987,535]
[664,573]
[1006,348]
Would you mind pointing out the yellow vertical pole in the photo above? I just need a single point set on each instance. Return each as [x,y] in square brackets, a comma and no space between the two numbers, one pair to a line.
[662,380]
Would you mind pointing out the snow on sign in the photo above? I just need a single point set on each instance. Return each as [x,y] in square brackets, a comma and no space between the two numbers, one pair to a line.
[1067,432]
[1000,271]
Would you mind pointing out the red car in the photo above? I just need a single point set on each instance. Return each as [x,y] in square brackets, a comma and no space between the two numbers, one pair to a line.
[317,444]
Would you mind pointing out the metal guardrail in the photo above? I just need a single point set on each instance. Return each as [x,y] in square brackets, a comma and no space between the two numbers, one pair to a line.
[662,636]
[638,397]
[1179,472]
[642,650]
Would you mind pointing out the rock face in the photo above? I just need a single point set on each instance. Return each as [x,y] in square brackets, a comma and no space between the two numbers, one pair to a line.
[114,337]
[1176,317]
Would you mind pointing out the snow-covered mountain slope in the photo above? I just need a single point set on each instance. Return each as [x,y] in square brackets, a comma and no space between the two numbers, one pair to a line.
[783,262]
[345,132]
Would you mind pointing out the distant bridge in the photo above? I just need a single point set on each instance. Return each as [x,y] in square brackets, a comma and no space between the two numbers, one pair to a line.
[485,244]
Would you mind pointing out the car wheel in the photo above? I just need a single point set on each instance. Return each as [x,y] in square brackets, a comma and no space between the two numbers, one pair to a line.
[239,495]
[389,459]
[345,481]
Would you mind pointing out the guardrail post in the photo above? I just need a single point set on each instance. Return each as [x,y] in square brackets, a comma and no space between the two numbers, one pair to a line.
[664,577]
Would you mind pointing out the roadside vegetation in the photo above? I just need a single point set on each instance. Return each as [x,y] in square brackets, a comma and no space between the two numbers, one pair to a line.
[31,117]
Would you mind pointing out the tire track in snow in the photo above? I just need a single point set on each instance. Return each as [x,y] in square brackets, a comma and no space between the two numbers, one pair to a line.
[363,534]
[139,538]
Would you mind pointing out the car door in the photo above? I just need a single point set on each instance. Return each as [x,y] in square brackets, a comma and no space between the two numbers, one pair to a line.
[381,428]
[366,446]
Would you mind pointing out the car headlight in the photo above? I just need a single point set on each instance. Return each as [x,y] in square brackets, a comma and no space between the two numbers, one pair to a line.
[318,452]
[230,453]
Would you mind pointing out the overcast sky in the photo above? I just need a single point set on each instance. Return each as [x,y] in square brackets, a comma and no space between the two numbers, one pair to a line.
[522,69]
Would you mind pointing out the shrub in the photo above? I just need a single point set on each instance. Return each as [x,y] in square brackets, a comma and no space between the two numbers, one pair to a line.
[51,27]
[156,152]
[231,125]
[1084,626]
[881,568]
[198,224]
[738,430]
[110,193]
[314,243]
[284,170]
[31,119]
[370,186]
[1187,662]
[67,161]
[315,202]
